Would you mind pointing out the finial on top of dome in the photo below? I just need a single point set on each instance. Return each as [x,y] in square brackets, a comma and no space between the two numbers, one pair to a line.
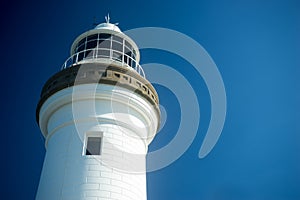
[108,25]
[107,18]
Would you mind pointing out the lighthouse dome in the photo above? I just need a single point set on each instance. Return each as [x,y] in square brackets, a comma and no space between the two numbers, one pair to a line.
[108,26]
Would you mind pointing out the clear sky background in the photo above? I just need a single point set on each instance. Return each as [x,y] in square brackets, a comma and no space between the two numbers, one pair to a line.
[256,47]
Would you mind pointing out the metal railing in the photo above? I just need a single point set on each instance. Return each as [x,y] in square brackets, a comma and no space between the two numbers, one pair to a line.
[97,55]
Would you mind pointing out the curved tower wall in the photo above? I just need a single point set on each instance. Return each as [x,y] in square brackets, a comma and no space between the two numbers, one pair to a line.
[98,116]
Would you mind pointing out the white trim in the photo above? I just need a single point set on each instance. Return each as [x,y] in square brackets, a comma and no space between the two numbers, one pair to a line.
[83,92]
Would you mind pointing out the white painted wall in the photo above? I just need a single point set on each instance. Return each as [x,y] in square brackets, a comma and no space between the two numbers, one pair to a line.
[127,123]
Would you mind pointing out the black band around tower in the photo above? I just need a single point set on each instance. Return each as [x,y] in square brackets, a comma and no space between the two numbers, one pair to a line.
[87,73]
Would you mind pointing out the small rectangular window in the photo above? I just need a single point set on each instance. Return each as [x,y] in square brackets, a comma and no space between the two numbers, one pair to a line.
[93,145]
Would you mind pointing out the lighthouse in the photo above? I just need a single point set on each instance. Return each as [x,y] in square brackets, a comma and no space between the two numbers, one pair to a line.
[98,115]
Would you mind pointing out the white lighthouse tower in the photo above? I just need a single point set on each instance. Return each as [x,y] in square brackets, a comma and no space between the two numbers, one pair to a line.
[98,116]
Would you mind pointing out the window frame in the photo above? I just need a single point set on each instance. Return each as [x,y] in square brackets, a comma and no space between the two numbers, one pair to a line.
[106,45]
[89,135]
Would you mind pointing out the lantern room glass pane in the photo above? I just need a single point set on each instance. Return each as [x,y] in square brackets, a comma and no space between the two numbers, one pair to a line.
[117,46]
[104,44]
[103,53]
[82,42]
[92,37]
[89,54]
[104,36]
[117,38]
[91,44]
[117,56]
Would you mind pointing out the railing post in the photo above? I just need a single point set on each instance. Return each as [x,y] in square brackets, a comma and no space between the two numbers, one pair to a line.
[123,51]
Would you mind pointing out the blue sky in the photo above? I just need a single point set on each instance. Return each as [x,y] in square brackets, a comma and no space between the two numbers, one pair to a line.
[255,45]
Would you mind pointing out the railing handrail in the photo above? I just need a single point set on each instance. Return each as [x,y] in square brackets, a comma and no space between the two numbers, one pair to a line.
[71,61]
